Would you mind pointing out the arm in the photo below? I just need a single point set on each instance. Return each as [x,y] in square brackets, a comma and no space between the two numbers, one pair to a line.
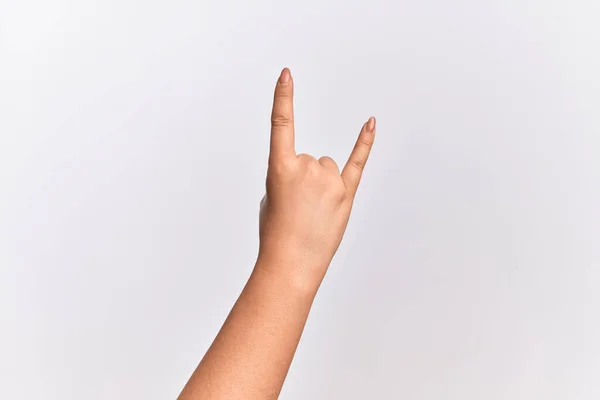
[302,220]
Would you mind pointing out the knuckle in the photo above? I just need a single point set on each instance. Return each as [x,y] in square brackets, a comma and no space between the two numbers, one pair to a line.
[329,163]
[279,167]
[314,167]
[282,97]
[368,144]
[306,158]
[282,92]
[281,121]
[309,165]
[358,163]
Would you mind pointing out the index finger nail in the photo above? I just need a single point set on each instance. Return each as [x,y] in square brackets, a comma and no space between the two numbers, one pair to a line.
[285,77]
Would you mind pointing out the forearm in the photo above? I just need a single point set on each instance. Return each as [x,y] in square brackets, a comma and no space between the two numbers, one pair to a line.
[251,355]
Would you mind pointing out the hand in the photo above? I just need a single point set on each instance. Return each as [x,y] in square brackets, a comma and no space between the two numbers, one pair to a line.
[305,211]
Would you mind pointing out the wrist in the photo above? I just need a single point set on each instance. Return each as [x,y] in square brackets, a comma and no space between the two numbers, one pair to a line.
[301,276]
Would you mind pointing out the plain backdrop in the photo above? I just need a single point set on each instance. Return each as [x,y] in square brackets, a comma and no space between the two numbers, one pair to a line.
[133,147]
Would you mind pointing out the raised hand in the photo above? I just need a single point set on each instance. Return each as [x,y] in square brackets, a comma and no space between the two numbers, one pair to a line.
[305,211]
[302,220]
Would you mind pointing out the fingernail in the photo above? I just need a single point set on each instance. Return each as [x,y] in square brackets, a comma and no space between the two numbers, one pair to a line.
[285,77]
[371,125]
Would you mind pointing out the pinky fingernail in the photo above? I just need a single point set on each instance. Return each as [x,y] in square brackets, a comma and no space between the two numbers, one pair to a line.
[371,124]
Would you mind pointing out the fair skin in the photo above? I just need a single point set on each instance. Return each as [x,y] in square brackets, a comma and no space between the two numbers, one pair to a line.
[303,218]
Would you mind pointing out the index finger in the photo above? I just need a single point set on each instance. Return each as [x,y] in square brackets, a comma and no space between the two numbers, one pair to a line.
[282,117]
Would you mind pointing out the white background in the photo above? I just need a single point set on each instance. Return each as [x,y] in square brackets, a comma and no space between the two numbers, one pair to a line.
[133,145]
